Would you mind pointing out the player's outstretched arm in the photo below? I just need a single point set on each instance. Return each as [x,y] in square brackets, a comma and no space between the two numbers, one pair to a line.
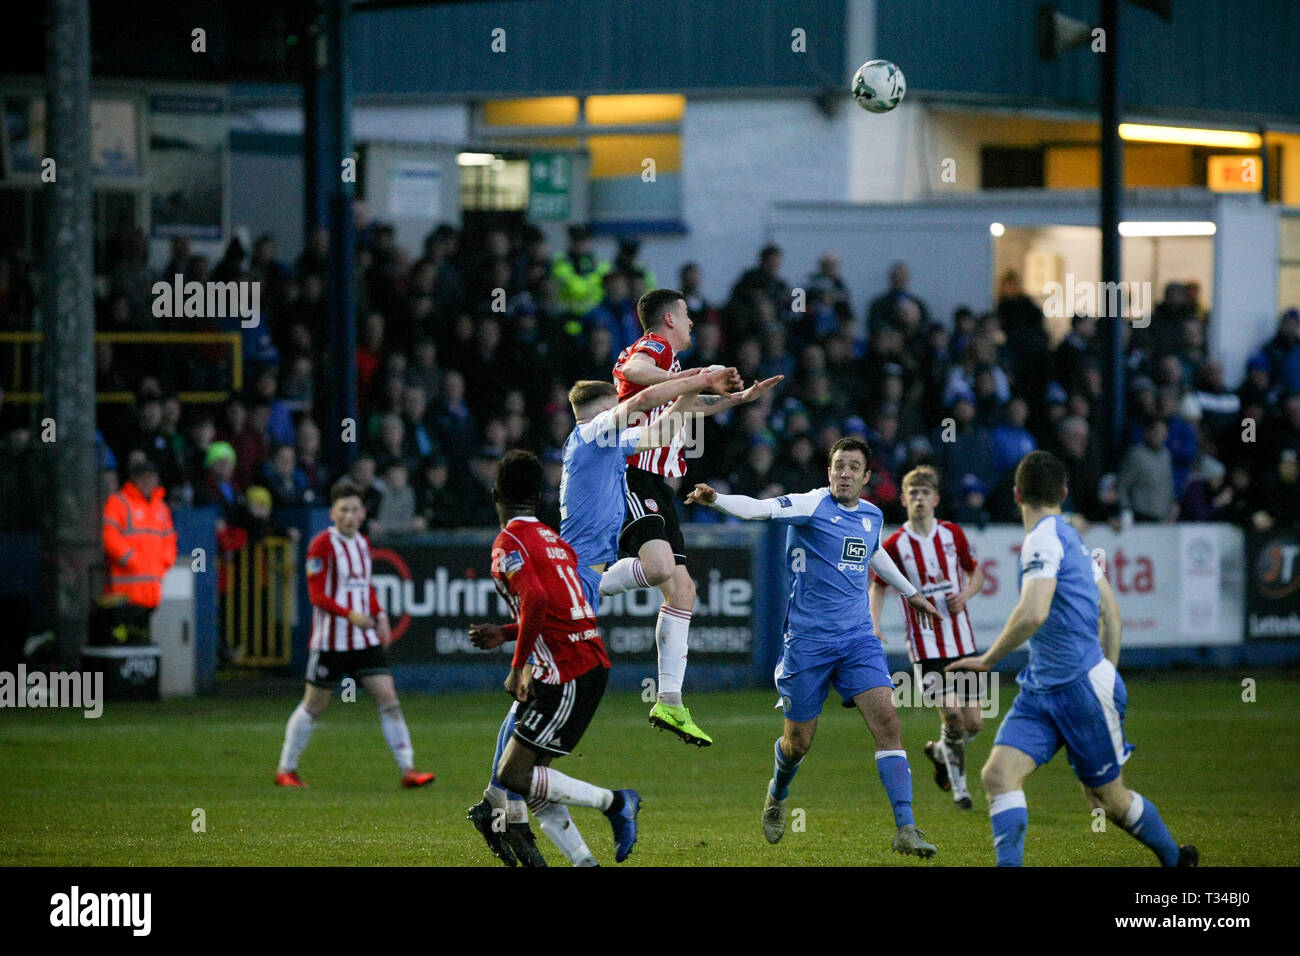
[712,404]
[1027,617]
[1110,622]
[738,506]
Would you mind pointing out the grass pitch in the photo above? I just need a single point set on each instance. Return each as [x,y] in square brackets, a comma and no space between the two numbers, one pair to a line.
[123,790]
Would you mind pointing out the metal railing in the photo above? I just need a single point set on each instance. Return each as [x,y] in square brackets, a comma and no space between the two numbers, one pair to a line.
[258,606]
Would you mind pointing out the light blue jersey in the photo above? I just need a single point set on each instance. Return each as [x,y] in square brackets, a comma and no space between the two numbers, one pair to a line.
[593,487]
[827,549]
[1067,646]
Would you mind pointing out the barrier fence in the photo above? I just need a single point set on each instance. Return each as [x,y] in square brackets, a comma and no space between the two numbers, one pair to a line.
[259,604]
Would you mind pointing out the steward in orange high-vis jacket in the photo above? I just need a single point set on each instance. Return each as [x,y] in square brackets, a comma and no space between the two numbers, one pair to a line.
[139,540]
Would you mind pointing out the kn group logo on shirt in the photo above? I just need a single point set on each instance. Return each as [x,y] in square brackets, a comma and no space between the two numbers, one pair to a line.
[853,555]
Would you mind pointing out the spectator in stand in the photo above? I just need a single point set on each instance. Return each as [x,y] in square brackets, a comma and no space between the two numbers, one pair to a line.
[971,509]
[701,311]
[1146,477]
[883,310]
[307,455]
[798,470]
[1206,495]
[397,512]
[1280,494]
[370,353]
[419,442]
[454,426]
[298,388]
[362,473]
[219,486]
[266,386]
[640,279]
[962,448]
[19,475]
[477,490]
[139,548]
[578,275]
[1220,407]
[765,280]
[424,372]
[1083,474]
[1282,352]
[755,477]
[1011,440]
[437,503]
[391,445]
[199,436]
[1075,351]
[282,478]
[828,282]
[616,312]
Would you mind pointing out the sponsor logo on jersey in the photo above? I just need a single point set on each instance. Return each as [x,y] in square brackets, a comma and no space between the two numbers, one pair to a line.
[652,346]
[855,549]
[315,565]
[785,502]
[511,562]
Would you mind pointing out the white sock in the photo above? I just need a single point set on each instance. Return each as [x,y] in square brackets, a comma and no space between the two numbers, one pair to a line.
[398,737]
[671,635]
[954,755]
[496,796]
[552,786]
[623,575]
[296,734]
[558,825]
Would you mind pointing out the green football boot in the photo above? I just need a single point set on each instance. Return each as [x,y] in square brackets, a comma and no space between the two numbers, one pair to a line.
[677,719]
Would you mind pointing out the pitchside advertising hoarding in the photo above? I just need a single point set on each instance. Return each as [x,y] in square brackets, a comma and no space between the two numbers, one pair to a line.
[434,591]
[1177,585]
[1273,584]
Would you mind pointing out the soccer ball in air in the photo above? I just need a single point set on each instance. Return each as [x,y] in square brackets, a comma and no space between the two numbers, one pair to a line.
[878,86]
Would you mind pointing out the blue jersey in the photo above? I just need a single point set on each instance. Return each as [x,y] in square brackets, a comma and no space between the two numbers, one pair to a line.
[593,485]
[827,550]
[1068,644]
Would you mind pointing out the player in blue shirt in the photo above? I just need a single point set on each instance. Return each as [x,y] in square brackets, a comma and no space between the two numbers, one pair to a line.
[833,538]
[592,490]
[1070,692]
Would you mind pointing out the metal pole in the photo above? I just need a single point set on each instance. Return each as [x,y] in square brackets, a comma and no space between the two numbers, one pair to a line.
[73,543]
[1112,198]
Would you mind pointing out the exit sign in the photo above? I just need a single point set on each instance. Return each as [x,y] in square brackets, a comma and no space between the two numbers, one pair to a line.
[1233,174]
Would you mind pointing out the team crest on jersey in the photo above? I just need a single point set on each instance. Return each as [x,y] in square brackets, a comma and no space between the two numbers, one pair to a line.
[314,566]
[652,505]
[866,525]
[652,346]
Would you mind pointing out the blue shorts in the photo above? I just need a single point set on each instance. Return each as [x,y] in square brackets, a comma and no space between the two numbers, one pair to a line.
[1086,715]
[807,670]
[590,581]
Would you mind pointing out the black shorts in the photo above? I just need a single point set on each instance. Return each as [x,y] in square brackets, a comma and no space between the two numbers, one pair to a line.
[651,514]
[967,689]
[327,668]
[556,715]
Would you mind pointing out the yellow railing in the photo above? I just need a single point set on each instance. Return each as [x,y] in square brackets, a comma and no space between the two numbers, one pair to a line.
[258,612]
[233,339]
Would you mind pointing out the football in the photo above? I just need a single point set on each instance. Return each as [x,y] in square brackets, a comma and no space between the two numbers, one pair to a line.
[878,86]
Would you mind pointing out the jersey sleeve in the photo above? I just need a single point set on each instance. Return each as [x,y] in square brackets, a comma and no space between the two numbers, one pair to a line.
[965,556]
[603,430]
[1041,554]
[796,509]
[889,545]
[521,580]
[320,557]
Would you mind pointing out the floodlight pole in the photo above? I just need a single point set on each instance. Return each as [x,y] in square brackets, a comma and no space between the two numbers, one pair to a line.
[1112,199]
[66,429]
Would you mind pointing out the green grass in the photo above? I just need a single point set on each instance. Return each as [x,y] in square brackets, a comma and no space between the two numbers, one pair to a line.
[121,790]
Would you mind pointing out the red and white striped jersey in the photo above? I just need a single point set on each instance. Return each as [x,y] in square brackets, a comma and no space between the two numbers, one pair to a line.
[338,581]
[937,565]
[670,460]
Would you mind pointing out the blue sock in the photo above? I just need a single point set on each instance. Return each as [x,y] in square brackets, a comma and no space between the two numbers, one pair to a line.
[503,736]
[1010,818]
[1143,821]
[783,773]
[896,775]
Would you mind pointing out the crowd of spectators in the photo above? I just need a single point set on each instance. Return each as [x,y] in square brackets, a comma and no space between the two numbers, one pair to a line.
[468,350]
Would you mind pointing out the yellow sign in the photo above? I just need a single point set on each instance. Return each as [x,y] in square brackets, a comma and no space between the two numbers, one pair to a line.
[1233,174]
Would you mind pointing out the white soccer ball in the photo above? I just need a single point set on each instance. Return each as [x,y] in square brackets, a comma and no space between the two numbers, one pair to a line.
[878,86]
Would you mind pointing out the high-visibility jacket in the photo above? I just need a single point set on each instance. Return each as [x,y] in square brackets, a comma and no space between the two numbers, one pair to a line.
[579,289]
[139,543]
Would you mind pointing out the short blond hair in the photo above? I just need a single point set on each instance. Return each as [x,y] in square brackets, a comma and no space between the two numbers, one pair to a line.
[921,475]
[589,390]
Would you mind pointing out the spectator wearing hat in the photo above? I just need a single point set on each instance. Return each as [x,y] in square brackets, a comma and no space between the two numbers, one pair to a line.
[219,486]
[971,507]
[139,547]
[961,447]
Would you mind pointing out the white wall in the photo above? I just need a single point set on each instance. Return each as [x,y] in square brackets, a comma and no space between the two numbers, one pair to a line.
[438,123]
[1245,281]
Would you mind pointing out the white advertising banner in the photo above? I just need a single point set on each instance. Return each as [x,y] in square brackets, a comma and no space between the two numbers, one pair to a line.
[1177,585]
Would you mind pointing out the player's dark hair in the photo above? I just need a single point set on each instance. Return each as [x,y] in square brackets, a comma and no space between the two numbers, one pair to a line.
[589,390]
[650,308]
[519,478]
[345,488]
[1040,479]
[851,443]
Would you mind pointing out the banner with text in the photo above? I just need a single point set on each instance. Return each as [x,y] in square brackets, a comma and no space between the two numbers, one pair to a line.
[1273,584]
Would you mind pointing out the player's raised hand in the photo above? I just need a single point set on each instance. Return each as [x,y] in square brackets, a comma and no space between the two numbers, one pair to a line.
[755,391]
[976,663]
[487,637]
[722,380]
[702,495]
